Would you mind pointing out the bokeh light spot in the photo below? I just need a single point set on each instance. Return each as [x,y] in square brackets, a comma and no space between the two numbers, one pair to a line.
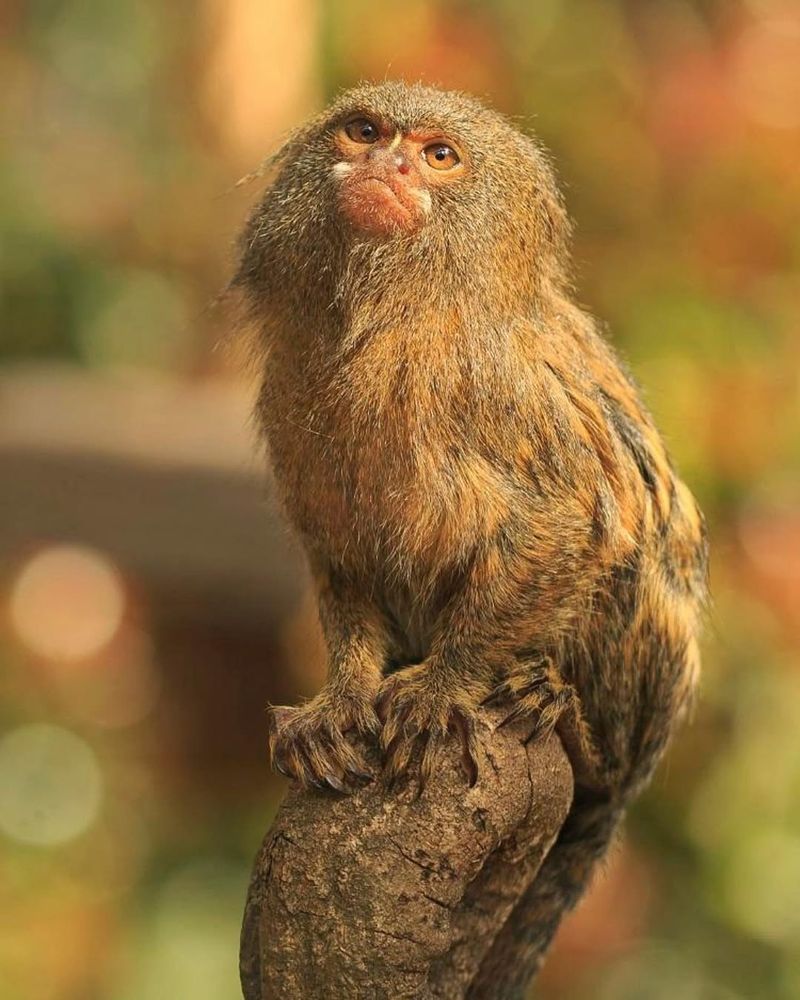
[67,603]
[50,785]
[122,690]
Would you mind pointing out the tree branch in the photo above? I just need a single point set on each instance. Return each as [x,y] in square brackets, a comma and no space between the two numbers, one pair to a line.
[382,895]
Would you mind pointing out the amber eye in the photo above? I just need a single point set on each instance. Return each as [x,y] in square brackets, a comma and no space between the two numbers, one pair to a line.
[440,156]
[362,130]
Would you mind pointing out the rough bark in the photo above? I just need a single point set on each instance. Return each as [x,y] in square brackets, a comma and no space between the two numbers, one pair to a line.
[383,895]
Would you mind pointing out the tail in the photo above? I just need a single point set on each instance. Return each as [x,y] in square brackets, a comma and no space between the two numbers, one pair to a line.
[520,946]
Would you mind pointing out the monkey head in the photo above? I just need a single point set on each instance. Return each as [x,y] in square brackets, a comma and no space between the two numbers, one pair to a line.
[399,186]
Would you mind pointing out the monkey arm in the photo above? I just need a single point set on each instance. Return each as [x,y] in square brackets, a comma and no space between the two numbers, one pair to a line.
[512,600]
[355,636]
[308,742]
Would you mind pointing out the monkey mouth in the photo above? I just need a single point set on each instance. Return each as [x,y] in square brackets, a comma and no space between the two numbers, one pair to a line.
[378,207]
[383,185]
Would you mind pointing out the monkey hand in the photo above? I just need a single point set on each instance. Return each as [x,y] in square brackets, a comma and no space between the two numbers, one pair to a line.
[308,742]
[418,707]
[536,691]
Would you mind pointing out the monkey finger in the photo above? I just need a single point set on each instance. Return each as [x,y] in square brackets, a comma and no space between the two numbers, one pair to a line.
[328,762]
[517,712]
[548,715]
[289,758]
[534,681]
[313,772]
[320,756]
[500,694]
[393,725]
[384,700]
[281,753]
[369,724]
[397,757]
[349,762]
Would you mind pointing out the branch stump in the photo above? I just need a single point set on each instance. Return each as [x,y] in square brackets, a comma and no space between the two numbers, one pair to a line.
[385,895]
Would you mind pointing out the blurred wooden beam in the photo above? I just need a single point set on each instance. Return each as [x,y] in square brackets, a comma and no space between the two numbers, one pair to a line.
[261,75]
[161,474]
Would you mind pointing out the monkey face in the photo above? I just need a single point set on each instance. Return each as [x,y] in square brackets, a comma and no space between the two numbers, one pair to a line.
[385,175]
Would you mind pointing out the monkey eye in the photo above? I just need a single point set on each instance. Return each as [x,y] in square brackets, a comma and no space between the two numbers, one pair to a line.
[362,130]
[440,156]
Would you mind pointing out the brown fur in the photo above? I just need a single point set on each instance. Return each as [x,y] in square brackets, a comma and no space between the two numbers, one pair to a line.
[485,501]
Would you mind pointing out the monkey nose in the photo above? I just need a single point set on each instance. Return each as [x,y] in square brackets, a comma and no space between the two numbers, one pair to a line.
[390,159]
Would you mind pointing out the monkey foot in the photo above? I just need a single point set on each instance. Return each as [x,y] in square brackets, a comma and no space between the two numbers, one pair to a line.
[538,692]
[417,717]
[308,742]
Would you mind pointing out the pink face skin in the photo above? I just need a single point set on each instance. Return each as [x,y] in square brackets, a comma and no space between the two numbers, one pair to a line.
[385,177]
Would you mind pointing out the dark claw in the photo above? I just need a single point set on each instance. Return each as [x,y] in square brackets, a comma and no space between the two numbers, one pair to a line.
[498,695]
[280,763]
[515,713]
[359,775]
[537,680]
[310,777]
[280,768]
[400,723]
[334,782]
[392,748]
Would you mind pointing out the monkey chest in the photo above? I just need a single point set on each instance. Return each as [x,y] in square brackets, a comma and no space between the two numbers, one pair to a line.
[385,499]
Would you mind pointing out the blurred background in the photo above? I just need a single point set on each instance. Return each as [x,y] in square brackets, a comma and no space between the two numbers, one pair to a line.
[152,603]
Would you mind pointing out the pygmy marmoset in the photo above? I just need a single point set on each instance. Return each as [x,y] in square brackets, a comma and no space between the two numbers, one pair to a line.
[487,507]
